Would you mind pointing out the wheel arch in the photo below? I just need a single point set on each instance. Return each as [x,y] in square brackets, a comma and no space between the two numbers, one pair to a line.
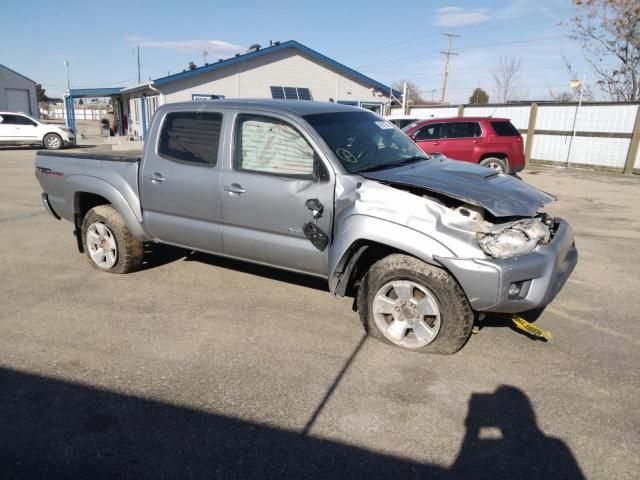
[364,240]
[88,192]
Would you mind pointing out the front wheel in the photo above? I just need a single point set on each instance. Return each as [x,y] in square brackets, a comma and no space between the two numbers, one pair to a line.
[108,243]
[52,141]
[408,303]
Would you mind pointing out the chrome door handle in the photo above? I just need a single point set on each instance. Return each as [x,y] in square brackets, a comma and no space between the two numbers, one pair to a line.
[157,178]
[234,188]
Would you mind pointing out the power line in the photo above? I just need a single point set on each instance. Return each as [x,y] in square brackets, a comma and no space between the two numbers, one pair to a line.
[448,54]
[419,57]
[475,30]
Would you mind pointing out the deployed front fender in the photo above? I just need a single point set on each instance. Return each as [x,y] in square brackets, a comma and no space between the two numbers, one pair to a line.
[356,230]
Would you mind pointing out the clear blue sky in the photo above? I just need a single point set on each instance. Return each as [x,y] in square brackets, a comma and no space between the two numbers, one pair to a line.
[378,38]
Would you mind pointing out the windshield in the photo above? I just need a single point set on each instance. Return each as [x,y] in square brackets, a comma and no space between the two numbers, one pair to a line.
[362,141]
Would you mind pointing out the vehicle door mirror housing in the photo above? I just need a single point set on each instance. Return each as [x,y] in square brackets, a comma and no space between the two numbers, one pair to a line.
[315,206]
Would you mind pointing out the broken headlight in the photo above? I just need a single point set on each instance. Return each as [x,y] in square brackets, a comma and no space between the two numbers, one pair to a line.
[516,239]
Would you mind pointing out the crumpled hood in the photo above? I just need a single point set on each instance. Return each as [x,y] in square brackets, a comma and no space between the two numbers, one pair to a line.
[502,195]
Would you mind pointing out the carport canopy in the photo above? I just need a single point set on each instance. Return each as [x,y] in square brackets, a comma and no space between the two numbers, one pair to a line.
[85,93]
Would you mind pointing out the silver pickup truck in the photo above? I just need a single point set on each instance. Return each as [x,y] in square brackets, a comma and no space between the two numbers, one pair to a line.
[423,243]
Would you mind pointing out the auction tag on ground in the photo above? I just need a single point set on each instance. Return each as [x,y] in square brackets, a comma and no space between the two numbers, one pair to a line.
[523,325]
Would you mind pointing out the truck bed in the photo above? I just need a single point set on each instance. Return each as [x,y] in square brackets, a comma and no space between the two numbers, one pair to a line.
[122,156]
[111,175]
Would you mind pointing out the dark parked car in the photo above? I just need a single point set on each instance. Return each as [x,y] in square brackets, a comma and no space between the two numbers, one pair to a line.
[491,142]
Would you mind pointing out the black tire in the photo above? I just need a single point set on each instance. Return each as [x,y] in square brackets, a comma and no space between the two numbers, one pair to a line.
[52,141]
[129,249]
[456,316]
[495,163]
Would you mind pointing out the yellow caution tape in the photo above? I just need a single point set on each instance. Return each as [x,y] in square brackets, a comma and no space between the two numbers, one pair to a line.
[525,326]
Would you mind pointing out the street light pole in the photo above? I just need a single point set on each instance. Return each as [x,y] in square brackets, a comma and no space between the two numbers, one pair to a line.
[66,66]
[574,84]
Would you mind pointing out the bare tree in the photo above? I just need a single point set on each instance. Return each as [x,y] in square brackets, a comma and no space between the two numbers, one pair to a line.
[507,77]
[413,92]
[609,31]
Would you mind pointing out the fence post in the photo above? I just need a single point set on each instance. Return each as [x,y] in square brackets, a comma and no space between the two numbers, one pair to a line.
[461,110]
[533,114]
[633,145]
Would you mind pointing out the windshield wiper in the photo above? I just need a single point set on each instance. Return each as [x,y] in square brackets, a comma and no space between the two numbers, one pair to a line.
[404,161]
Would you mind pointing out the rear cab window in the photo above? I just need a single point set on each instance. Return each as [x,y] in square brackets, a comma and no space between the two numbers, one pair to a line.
[505,129]
[191,137]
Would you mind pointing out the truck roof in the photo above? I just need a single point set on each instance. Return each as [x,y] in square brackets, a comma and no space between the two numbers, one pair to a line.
[299,107]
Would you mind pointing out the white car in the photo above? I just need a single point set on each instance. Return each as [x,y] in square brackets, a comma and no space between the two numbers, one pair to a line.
[21,129]
[401,121]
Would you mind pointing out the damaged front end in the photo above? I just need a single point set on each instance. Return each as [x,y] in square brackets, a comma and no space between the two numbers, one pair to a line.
[506,255]
[516,238]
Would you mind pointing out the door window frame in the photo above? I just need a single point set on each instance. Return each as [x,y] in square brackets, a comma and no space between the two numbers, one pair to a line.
[415,134]
[185,162]
[317,161]
[464,138]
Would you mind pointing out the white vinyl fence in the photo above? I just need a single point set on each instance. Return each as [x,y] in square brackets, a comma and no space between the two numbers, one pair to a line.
[58,112]
[603,130]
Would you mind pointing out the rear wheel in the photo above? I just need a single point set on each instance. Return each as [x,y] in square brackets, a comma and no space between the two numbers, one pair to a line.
[495,163]
[408,303]
[52,141]
[108,243]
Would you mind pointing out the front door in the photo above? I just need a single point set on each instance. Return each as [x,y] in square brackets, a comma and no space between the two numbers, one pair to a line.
[180,185]
[26,129]
[275,171]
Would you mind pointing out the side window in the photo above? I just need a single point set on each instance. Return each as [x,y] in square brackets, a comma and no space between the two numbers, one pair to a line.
[9,120]
[191,137]
[20,120]
[463,130]
[429,132]
[271,146]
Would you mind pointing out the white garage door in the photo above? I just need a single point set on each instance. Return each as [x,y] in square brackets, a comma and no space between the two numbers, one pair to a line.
[18,100]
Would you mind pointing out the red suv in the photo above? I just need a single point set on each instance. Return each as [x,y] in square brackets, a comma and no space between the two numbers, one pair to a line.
[491,142]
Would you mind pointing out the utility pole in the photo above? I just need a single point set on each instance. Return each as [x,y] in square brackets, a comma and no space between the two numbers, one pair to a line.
[138,49]
[448,54]
[66,66]
[404,98]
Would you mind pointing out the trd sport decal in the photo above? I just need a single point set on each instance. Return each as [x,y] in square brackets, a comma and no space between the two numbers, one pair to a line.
[48,171]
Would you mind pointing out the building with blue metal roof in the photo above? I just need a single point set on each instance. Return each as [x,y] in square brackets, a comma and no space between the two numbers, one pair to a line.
[287,70]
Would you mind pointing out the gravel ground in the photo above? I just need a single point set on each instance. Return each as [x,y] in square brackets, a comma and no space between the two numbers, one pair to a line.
[202,367]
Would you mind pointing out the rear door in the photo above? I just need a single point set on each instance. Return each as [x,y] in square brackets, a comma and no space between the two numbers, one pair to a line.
[180,181]
[7,128]
[274,171]
[429,138]
[460,140]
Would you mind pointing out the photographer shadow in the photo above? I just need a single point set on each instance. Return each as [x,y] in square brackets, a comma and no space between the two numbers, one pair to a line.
[502,440]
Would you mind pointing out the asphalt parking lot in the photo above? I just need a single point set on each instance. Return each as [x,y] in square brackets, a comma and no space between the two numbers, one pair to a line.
[200,367]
